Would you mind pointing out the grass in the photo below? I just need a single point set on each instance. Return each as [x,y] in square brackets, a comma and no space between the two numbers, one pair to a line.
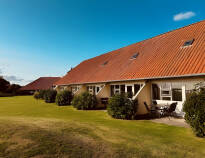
[32,128]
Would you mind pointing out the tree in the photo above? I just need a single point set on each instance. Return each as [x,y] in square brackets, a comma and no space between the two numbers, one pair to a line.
[4,85]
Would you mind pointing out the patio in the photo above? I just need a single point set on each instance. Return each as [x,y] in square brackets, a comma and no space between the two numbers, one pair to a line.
[179,122]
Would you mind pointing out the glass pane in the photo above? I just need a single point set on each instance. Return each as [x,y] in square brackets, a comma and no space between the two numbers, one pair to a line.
[112,90]
[98,89]
[165,92]
[117,86]
[117,91]
[155,92]
[129,92]
[136,88]
[122,88]
[177,94]
[166,98]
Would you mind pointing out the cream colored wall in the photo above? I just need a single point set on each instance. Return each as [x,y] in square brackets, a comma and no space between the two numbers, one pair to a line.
[81,90]
[188,82]
[144,96]
[61,88]
[185,84]
[104,93]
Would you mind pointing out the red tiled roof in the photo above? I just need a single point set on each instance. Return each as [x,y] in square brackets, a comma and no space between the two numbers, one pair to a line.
[42,83]
[160,56]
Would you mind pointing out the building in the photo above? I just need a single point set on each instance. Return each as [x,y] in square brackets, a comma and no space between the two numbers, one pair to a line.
[164,69]
[42,83]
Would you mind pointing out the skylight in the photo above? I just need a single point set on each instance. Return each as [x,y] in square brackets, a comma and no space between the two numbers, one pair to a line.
[105,63]
[188,43]
[134,56]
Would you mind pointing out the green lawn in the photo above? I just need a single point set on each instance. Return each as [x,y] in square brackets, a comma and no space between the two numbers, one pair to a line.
[32,128]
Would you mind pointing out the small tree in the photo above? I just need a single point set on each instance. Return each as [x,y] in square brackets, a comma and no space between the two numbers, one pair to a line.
[64,98]
[50,96]
[121,107]
[85,101]
[36,95]
[194,108]
[42,93]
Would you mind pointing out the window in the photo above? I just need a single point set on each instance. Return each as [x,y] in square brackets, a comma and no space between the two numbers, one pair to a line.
[188,43]
[169,91]
[155,92]
[91,89]
[105,63]
[122,88]
[166,92]
[166,98]
[134,56]
[177,94]
[94,89]
[112,90]
[97,89]
[117,89]
[136,88]
[74,89]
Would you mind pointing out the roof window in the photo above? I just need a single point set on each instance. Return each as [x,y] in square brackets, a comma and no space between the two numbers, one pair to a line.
[105,63]
[134,56]
[188,43]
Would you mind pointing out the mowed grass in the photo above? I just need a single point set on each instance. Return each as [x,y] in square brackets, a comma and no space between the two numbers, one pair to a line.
[32,128]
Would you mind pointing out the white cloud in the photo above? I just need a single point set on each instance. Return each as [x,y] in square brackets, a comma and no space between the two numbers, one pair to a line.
[183,16]
[13,78]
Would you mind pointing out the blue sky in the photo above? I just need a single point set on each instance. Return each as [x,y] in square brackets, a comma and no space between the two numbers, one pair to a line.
[48,37]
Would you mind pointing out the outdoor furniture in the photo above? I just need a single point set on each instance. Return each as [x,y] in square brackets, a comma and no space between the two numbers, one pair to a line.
[169,111]
[152,110]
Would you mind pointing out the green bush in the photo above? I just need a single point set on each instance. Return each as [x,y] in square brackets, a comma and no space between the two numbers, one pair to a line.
[64,98]
[121,107]
[41,94]
[85,101]
[194,108]
[50,96]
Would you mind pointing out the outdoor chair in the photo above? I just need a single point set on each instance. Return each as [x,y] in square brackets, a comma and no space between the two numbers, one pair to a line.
[151,111]
[169,111]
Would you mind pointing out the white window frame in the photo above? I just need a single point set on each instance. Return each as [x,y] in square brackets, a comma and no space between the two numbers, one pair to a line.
[75,89]
[95,92]
[170,92]
[126,85]
[100,88]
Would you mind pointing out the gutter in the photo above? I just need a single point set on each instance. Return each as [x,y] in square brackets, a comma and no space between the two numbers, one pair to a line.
[138,79]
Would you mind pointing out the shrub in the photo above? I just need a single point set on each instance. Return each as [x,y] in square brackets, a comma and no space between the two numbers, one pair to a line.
[41,94]
[194,108]
[84,101]
[36,95]
[50,96]
[121,107]
[64,98]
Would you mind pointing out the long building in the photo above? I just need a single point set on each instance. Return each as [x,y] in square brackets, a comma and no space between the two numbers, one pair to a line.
[42,83]
[164,69]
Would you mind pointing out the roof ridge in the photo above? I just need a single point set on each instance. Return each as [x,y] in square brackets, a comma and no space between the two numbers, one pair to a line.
[147,39]
[170,31]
